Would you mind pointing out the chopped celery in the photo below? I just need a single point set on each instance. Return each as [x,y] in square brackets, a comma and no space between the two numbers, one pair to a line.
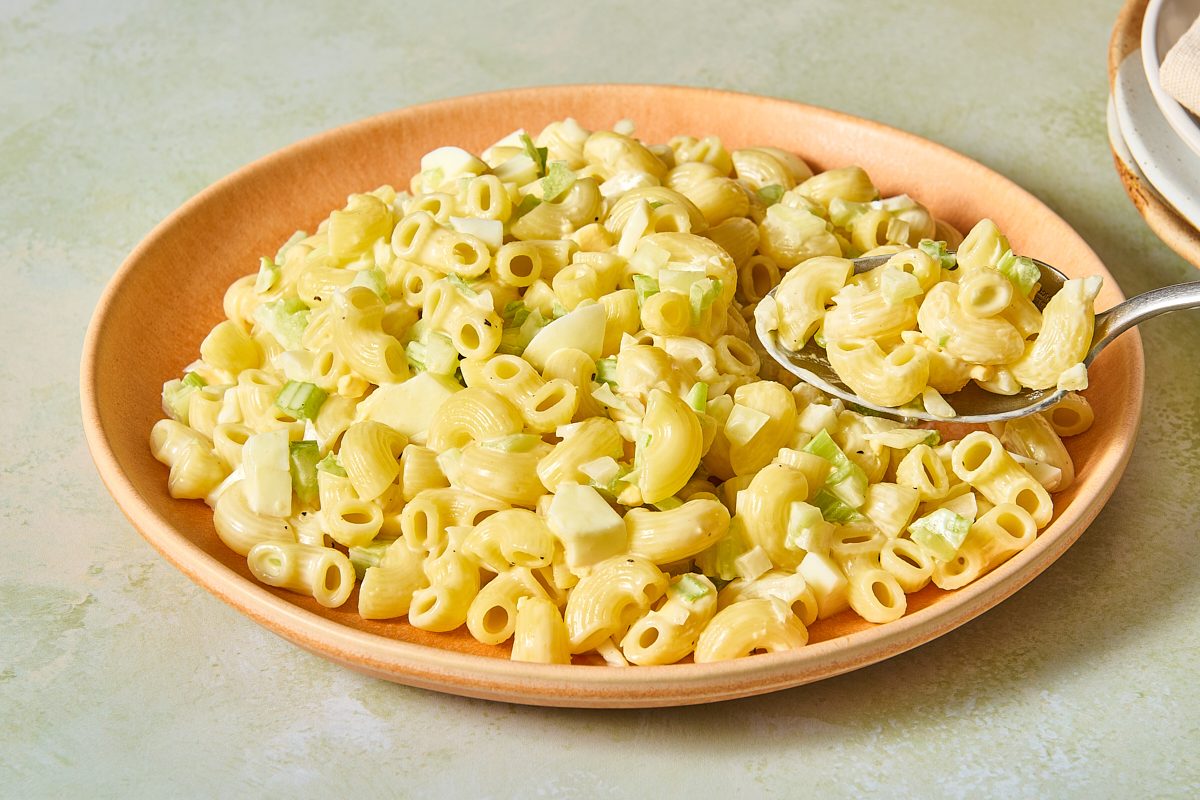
[691,588]
[805,526]
[285,320]
[896,285]
[833,509]
[606,371]
[719,560]
[176,397]
[331,465]
[417,353]
[697,397]
[514,340]
[374,280]
[559,179]
[301,399]
[667,503]
[528,203]
[702,294]
[295,238]
[303,457]
[645,286]
[440,356]
[368,555]
[937,251]
[194,379]
[514,314]
[941,533]
[1021,271]
[843,212]
[846,480]
[538,154]
[819,338]
[268,275]
[771,194]
[458,283]
[515,443]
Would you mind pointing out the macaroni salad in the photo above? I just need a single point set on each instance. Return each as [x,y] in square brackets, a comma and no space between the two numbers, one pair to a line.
[525,396]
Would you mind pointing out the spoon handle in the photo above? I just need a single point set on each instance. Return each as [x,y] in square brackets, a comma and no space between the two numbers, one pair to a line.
[1112,323]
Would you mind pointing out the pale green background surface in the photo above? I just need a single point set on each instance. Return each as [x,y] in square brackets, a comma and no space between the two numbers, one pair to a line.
[120,677]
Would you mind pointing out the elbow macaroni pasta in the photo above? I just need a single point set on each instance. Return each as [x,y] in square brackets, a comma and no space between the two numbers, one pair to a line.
[444,363]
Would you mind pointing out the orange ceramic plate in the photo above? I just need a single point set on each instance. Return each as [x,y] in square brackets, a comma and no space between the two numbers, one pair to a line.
[167,295]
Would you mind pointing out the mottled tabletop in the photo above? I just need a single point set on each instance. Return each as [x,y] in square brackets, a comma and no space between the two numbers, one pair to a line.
[118,676]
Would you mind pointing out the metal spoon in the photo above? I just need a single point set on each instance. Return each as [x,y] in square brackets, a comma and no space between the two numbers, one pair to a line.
[972,403]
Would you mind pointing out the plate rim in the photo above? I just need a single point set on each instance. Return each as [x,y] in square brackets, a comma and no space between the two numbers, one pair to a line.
[1184,124]
[1162,220]
[576,685]
[1130,88]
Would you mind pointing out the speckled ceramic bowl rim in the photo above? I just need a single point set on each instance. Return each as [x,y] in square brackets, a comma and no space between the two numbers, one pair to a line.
[1168,225]
[574,685]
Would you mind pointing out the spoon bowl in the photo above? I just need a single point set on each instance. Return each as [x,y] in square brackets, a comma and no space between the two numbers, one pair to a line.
[972,403]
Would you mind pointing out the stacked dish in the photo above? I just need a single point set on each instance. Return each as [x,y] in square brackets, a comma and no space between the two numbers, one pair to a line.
[1154,138]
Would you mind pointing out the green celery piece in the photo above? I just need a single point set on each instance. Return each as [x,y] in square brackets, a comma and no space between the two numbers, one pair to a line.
[514,314]
[374,280]
[268,275]
[846,481]
[645,286]
[606,371]
[303,457]
[941,533]
[298,236]
[285,320]
[697,397]
[1021,271]
[538,154]
[668,503]
[416,353]
[843,212]
[301,399]
[771,194]
[194,379]
[718,562]
[440,356]
[513,341]
[702,295]
[457,282]
[937,251]
[176,396]
[690,588]
[528,203]
[331,465]
[559,179]
[368,555]
[833,509]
